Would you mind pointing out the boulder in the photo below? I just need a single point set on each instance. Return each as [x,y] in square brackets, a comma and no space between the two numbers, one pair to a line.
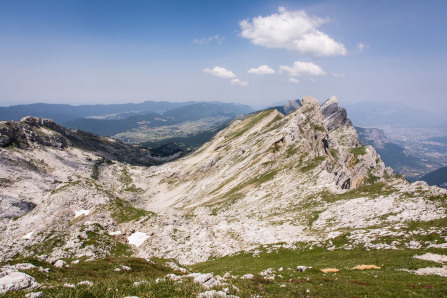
[248,276]
[14,281]
[207,280]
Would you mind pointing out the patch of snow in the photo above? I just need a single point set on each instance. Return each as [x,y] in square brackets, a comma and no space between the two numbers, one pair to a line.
[82,212]
[28,236]
[137,238]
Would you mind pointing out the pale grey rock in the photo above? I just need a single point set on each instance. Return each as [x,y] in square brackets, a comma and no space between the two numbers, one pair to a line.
[174,277]
[202,278]
[248,276]
[34,295]
[207,280]
[86,283]
[176,267]
[214,294]
[12,281]
[60,263]
[20,266]
[67,285]
[267,272]
[139,283]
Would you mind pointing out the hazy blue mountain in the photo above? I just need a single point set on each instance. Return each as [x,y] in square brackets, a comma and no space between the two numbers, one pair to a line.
[437,177]
[62,113]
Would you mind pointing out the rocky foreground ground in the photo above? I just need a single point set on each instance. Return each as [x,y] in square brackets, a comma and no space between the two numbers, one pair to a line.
[264,184]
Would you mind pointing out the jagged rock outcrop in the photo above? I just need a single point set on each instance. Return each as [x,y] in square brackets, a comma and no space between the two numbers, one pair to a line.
[269,178]
[334,115]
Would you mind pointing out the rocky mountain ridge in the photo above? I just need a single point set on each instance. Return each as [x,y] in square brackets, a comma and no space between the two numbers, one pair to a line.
[33,133]
[269,179]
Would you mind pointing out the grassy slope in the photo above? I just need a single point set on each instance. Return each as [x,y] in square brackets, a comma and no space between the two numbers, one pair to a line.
[389,281]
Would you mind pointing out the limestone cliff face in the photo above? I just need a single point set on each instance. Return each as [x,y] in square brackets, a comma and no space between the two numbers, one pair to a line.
[33,132]
[265,179]
[334,115]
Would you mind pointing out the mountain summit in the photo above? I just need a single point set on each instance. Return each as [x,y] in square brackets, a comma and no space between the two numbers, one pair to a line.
[294,180]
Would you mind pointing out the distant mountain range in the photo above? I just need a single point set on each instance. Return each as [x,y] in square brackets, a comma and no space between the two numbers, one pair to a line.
[391,153]
[135,123]
[192,112]
[63,113]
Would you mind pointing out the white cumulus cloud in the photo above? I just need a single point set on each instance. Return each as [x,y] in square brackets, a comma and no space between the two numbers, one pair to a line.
[209,39]
[220,72]
[238,82]
[293,80]
[292,30]
[302,68]
[262,70]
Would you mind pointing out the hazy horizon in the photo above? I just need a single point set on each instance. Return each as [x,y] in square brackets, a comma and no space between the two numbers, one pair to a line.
[249,52]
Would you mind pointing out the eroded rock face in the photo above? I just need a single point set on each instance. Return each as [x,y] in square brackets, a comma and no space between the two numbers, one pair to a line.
[334,115]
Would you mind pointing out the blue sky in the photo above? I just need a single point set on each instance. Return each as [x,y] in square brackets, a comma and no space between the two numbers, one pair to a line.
[252,52]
